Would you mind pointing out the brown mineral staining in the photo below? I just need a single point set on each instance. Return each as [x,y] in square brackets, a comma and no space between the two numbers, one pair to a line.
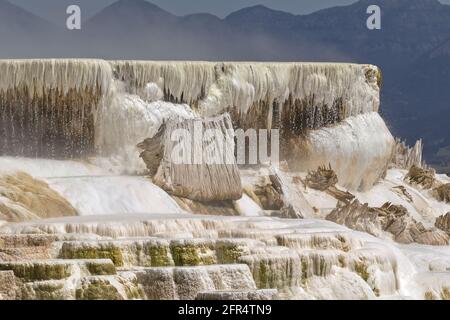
[28,198]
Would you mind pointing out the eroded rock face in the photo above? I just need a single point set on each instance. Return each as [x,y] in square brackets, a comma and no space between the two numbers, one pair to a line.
[405,157]
[390,218]
[358,217]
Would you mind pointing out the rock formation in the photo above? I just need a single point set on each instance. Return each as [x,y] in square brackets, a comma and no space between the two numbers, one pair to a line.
[325,179]
[196,172]
[423,177]
[390,218]
[426,178]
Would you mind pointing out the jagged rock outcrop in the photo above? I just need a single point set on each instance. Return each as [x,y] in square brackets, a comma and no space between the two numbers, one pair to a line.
[405,157]
[401,190]
[325,179]
[426,178]
[423,177]
[390,218]
[322,179]
[443,223]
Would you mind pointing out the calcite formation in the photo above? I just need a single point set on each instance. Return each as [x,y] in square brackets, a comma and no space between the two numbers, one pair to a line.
[48,106]
[80,110]
[194,174]
[244,260]
[89,219]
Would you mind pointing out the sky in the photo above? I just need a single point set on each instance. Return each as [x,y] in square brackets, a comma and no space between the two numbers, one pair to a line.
[55,10]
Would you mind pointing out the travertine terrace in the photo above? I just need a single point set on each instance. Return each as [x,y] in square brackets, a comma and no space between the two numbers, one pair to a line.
[82,216]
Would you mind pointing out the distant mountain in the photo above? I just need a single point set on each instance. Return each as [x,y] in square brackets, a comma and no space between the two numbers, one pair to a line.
[427,84]
[412,48]
[409,28]
[261,19]
[20,31]
[16,19]
[141,30]
[125,15]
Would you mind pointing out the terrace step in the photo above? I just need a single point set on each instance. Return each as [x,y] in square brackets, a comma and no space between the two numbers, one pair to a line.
[38,270]
[256,295]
